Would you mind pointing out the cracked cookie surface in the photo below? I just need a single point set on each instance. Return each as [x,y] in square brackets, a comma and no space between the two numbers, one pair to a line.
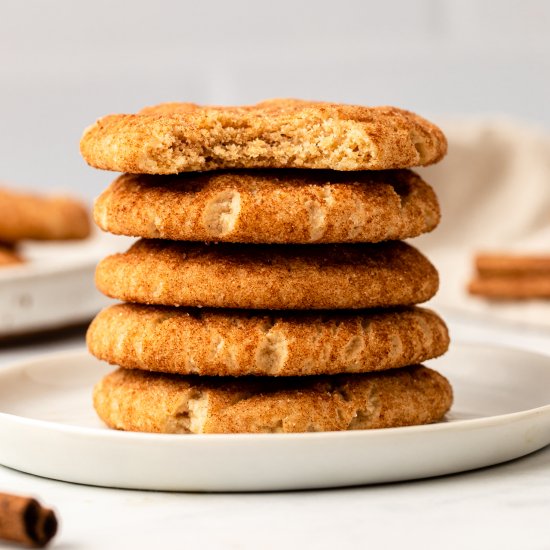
[281,133]
[214,342]
[320,276]
[282,206]
[135,400]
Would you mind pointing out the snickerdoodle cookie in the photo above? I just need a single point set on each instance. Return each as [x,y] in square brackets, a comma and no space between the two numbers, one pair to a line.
[282,133]
[28,216]
[217,342]
[322,276]
[270,206]
[136,400]
[9,256]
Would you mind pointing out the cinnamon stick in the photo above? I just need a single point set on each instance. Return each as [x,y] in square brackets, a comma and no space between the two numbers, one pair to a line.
[507,276]
[512,265]
[24,520]
[510,288]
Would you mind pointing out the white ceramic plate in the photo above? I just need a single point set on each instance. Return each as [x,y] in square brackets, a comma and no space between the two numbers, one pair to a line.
[48,428]
[55,287]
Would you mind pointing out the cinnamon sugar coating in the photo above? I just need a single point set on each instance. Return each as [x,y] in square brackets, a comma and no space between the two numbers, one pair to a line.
[216,342]
[330,276]
[278,206]
[280,133]
[136,400]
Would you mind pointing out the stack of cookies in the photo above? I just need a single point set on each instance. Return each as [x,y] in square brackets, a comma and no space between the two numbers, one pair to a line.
[270,290]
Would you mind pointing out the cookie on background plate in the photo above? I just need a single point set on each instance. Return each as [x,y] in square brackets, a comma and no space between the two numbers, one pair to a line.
[9,255]
[323,276]
[216,342]
[28,216]
[280,133]
[135,400]
[284,206]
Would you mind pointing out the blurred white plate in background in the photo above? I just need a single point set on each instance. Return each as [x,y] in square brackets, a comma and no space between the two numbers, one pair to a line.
[49,428]
[55,287]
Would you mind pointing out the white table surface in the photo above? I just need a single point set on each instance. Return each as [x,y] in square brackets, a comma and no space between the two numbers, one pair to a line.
[503,507]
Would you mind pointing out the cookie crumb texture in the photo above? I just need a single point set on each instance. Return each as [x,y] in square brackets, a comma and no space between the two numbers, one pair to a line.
[329,276]
[281,133]
[284,206]
[135,400]
[237,343]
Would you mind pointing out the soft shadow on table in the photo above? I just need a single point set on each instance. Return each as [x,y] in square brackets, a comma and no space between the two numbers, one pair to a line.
[532,464]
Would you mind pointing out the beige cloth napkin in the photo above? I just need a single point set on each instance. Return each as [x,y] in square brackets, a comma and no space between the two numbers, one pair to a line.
[494,191]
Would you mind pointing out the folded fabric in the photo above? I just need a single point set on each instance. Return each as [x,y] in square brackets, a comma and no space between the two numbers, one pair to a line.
[494,191]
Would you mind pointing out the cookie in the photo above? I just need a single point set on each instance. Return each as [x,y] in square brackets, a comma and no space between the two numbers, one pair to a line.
[8,256]
[282,133]
[26,216]
[236,343]
[270,207]
[322,276]
[142,401]
[511,287]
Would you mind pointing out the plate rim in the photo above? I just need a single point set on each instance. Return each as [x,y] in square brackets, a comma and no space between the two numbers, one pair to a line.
[109,434]
[63,261]
[30,270]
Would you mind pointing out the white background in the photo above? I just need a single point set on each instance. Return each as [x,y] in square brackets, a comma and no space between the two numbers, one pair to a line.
[65,63]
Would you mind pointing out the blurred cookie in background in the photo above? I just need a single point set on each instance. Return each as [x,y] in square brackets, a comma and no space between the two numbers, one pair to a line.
[48,254]
[26,216]
[8,255]
[43,218]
